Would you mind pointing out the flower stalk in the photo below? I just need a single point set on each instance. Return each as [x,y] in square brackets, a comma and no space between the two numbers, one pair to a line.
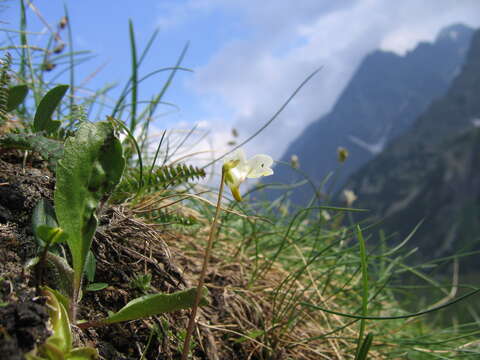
[201,280]
[235,170]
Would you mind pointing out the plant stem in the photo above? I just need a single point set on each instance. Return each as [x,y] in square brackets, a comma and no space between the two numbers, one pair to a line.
[89,324]
[40,269]
[72,312]
[201,280]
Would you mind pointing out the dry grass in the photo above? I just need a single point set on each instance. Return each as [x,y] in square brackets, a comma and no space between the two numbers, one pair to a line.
[241,321]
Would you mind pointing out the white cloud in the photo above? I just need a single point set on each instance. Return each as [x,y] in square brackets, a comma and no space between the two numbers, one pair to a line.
[174,12]
[285,41]
[429,19]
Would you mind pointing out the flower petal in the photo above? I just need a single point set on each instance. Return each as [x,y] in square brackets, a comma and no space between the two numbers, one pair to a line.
[260,165]
[238,174]
[236,155]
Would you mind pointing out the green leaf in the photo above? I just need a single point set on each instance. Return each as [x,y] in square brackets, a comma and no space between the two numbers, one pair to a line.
[31,356]
[365,347]
[51,235]
[63,275]
[52,349]
[84,353]
[250,335]
[43,116]
[30,263]
[96,286]
[62,336]
[90,266]
[91,167]
[59,345]
[16,95]
[43,214]
[155,304]
[62,299]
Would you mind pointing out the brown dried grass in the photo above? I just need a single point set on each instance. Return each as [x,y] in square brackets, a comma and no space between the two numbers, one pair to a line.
[239,322]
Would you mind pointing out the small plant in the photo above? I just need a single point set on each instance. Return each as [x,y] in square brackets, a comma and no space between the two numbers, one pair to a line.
[89,170]
[91,166]
[236,169]
[43,135]
[59,344]
[141,282]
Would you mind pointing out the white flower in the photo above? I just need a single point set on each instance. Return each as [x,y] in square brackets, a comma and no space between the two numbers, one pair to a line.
[350,197]
[237,169]
[326,216]
[294,162]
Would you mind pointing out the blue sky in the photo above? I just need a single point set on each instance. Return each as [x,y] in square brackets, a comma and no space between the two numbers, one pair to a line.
[247,56]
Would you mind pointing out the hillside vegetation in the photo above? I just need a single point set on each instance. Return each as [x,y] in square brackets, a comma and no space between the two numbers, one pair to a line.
[103,240]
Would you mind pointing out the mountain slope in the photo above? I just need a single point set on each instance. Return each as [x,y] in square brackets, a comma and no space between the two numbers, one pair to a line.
[381,101]
[432,172]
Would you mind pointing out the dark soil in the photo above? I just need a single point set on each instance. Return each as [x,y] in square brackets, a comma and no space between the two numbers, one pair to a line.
[22,326]
[23,316]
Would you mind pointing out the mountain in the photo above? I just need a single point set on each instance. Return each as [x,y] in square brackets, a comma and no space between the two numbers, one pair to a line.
[381,101]
[432,172]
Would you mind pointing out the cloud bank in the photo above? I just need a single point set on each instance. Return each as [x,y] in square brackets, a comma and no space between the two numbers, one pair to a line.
[281,42]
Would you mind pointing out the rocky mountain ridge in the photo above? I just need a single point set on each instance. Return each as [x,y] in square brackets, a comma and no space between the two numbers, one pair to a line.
[432,172]
[382,100]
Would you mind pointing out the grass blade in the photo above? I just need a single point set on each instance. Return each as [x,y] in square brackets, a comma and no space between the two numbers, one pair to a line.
[133,52]
[364,268]
[71,60]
